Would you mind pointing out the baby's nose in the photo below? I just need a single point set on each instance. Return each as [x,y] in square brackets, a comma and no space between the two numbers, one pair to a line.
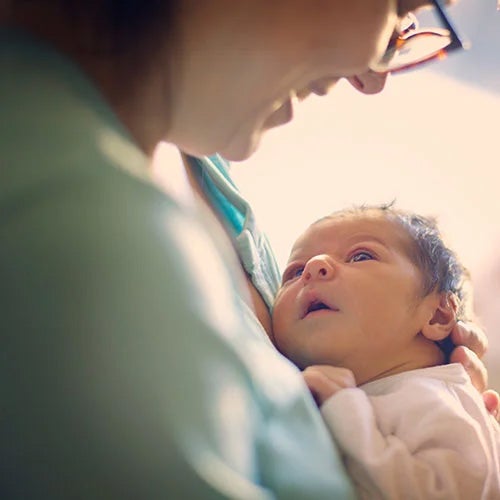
[318,268]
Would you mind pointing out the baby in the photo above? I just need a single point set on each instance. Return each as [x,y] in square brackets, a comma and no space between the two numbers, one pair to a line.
[367,297]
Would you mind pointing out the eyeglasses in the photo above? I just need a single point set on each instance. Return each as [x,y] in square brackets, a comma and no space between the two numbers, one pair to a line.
[413,46]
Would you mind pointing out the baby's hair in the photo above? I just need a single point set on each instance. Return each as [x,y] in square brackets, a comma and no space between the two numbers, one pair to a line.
[441,269]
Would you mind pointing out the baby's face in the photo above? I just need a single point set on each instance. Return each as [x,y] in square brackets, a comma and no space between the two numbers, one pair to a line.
[350,294]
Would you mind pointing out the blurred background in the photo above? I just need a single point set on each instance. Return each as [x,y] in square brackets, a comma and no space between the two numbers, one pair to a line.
[430,141]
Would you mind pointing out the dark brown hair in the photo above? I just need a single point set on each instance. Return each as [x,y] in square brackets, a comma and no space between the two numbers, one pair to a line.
[114,25]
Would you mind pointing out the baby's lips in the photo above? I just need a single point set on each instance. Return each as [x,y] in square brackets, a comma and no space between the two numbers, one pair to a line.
[311,299]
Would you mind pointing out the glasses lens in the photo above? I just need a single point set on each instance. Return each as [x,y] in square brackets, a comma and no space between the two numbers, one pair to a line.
[415,48]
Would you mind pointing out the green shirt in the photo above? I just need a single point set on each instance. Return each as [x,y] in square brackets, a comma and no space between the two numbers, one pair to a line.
[130,366]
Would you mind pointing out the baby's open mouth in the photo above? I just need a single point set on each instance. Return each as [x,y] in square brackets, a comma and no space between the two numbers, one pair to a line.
[318,305]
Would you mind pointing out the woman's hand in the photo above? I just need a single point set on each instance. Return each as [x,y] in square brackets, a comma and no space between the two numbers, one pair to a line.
[471,345]
[324,381]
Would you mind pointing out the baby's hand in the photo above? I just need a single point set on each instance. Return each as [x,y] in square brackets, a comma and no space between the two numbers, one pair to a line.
[325,381]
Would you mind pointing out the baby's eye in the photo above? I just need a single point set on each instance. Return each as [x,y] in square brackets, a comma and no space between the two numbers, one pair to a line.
[292,273]
[360,256]
[297,272]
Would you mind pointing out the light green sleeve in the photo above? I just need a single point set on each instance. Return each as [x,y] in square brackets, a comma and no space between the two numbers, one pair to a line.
[127,369]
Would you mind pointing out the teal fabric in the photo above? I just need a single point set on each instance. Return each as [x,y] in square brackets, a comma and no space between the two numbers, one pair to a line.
[217,189]
[253,247]
[130,367]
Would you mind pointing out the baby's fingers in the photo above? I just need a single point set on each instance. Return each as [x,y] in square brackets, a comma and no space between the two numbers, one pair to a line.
[325,381]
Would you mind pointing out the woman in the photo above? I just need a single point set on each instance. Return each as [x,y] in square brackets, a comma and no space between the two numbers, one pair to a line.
[135,358]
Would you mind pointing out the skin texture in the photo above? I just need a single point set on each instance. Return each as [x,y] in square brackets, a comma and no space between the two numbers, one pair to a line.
[378,322]
[269,67]
[248,48]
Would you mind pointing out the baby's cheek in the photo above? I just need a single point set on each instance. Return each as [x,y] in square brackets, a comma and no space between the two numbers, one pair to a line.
[280,319]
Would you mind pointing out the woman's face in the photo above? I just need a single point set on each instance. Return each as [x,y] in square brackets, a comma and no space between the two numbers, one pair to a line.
[242,70]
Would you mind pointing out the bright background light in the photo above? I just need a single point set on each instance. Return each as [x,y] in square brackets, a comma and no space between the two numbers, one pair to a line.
[430,141]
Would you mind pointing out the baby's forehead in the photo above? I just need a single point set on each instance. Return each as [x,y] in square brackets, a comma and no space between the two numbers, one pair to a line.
[346,225]
[347,228]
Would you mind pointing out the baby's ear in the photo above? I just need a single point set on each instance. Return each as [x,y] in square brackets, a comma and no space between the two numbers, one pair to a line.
[443,319]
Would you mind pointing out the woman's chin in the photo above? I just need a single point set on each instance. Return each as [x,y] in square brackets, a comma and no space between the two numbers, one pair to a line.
[240,152]
[241,147]
[246,141]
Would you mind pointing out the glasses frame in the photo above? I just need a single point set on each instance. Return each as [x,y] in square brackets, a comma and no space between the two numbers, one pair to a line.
[456,42]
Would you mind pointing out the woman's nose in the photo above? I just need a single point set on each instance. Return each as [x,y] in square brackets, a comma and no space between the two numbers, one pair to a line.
[369,82]
[318,268]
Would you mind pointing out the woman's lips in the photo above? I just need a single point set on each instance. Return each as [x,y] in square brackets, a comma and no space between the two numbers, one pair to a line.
[322,87]
[280,116]
[367,83]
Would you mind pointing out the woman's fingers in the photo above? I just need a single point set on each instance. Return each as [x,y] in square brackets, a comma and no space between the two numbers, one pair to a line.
[472,344]
[471,336]
[492,402]
[473,366]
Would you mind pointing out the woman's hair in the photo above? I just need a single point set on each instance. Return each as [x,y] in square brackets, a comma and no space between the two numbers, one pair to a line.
[115,25]
[440,267]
